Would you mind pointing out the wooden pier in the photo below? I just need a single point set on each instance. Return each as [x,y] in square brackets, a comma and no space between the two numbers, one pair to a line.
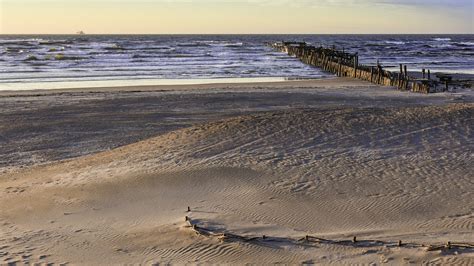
[347,65]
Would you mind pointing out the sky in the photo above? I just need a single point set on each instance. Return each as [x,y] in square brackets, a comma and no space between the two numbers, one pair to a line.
[235,16]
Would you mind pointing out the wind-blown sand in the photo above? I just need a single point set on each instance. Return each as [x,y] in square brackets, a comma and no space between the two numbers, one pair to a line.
[329,159]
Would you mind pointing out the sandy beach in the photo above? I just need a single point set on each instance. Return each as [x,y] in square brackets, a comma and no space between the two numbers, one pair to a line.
[106,175]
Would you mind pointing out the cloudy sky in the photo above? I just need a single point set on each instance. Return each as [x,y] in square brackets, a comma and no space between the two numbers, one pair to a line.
[236,16]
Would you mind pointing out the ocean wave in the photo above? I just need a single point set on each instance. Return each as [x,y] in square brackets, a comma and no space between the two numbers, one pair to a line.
[442,39]
[14,50]
[58,42]
[31,58]
[464,43]
[114,47]
[228,44]
[19,44]
[51,50]
[62,57]
[395,42]
[193,44]
[375,44]
[142,56]
[445,45]
[158,48]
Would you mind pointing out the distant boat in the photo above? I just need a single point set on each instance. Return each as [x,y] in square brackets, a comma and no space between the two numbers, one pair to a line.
[81,32]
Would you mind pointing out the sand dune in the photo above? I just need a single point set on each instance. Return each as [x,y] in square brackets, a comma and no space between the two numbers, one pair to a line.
[386,174]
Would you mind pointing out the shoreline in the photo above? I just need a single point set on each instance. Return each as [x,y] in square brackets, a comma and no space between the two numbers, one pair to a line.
[104,83]
[172,84]
[325,82]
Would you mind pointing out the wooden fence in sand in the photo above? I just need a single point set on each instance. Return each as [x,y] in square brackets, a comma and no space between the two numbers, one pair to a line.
[347,65]
[306,241]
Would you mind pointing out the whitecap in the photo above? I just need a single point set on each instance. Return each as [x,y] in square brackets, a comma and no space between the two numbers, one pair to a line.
[465,43]
[395,42]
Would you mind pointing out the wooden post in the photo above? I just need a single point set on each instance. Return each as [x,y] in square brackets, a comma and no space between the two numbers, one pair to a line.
[399,81]
[371,74]
[424,73]
[355,67]
[379,74]
[340,67]
[429,75]
[447,87]
[448,245]
[406,72]
[324,62]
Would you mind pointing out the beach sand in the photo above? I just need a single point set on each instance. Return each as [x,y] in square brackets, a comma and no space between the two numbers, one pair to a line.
[95,176]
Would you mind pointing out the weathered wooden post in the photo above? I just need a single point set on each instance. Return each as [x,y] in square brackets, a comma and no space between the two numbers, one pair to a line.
[371,74]
[355,66]
[448,245]
[429,75]
[424,72]
[340,67]
[379,74]
[400,77]
[406,71]
[399,85]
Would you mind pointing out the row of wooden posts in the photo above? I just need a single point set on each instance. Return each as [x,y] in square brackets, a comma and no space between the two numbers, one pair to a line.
[227,236]
[347,65]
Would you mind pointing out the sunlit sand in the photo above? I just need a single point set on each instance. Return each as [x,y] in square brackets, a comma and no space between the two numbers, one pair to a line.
[296,162]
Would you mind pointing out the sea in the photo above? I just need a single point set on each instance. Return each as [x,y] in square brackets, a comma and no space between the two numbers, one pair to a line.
[76,61]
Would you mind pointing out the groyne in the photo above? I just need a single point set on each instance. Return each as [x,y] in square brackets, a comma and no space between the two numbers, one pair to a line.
[345,64]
